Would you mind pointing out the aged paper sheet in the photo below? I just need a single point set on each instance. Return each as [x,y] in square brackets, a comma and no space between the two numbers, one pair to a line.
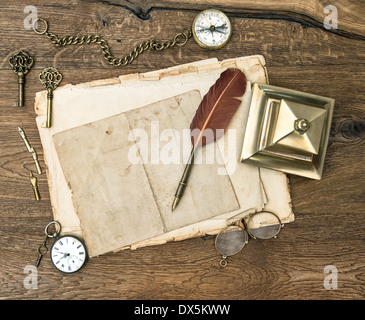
[100,177]
[119,201]
[74,105]
[208,193]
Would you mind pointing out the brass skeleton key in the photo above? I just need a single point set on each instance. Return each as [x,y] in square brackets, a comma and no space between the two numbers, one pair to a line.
[21,63]
[50,78]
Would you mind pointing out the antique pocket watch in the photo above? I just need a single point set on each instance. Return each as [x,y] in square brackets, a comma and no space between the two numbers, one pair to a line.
[68,253]
[211,29]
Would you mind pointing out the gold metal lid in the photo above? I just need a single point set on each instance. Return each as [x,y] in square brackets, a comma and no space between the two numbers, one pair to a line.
[287,130]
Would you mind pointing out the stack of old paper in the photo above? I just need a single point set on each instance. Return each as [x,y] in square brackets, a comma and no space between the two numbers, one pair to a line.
[116,151]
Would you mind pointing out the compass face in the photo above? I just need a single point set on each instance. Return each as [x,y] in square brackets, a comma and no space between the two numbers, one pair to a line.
[68,254]
[212,29]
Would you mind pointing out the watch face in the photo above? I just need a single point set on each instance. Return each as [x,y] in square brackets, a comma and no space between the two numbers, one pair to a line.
[212,29]
[68,254]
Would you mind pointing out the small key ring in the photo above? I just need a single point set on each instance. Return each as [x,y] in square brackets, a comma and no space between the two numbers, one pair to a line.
[223,262]
[45,23]
[50,235]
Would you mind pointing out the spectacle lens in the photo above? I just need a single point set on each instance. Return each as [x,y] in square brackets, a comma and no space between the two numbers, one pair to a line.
[263,225]
[230,241]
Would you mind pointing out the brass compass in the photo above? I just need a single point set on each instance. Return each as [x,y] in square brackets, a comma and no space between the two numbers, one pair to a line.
[211,29]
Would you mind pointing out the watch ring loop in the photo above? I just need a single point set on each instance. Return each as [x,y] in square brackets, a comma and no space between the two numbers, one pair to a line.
[45,24]
[184,39]
[58,229]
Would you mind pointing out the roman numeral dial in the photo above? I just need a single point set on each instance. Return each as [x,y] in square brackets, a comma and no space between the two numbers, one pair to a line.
[68,254]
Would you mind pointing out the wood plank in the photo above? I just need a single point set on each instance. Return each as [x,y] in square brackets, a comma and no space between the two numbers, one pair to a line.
[300,54]
[291,43]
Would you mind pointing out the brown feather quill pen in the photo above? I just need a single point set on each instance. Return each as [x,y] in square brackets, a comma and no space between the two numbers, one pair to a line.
[214,112]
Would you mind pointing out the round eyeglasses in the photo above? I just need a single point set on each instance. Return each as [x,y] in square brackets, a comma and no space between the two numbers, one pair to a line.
[259,225]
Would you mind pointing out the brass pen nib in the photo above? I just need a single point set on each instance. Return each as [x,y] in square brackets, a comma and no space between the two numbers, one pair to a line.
[31,150]
[22,134]
[33,181]
[175,203]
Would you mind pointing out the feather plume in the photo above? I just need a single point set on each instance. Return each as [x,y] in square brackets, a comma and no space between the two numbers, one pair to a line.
[218,107]
[214,114]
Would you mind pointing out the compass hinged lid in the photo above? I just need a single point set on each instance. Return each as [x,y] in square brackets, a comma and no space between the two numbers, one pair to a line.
[287,130]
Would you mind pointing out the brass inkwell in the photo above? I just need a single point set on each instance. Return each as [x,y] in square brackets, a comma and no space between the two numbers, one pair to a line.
[287,130]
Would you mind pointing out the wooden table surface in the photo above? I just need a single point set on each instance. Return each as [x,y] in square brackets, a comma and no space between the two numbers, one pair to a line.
[300,53]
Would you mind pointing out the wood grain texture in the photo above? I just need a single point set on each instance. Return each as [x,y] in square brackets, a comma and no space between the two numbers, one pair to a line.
[300,54]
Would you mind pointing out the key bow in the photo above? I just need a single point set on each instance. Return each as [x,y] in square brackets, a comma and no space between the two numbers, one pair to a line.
[50,78]
[21,62]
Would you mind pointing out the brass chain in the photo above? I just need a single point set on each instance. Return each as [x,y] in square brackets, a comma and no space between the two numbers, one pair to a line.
[180,39]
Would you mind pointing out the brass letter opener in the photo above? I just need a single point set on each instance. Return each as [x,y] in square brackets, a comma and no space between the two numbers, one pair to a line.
[50,78]
[21,64]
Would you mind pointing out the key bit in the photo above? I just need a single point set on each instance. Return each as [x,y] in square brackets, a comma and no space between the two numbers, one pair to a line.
[33,181]
[21,63]
[50,78]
